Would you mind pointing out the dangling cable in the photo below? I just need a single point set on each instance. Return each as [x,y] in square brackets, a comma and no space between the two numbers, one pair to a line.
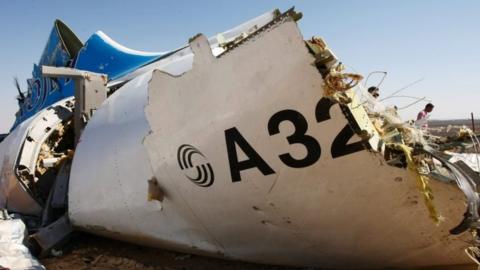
[403,88]
[413,103]
[375,72]
[411,97]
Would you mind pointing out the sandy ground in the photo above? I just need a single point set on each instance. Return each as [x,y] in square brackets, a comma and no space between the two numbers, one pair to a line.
[88,252]
[91,252]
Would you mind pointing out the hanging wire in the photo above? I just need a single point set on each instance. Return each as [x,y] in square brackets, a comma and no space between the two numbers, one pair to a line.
[393,95]
[413,103]
[376,72]
[411,97]
[403,88]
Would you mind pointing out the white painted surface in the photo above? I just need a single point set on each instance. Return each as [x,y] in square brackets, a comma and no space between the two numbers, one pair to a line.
[350,212]
[13,195]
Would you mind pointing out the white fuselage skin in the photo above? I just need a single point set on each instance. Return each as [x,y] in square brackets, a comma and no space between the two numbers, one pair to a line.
[351,211]
[13,195]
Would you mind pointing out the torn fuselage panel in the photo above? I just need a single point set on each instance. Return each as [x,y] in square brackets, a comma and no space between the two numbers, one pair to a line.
[232,96]
[44,137]
[291,189]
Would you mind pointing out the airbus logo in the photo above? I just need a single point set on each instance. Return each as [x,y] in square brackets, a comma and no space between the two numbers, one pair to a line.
[202,173]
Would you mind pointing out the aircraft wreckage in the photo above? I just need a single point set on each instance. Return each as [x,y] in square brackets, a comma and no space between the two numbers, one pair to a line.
[252,145]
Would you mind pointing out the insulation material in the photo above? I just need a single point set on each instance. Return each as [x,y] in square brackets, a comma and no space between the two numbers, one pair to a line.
[422,183]
[13,253]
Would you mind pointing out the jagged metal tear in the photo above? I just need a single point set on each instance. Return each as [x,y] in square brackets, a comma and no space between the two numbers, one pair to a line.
[468,184]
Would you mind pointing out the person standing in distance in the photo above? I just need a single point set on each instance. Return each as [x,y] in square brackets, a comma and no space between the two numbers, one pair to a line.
[422,117]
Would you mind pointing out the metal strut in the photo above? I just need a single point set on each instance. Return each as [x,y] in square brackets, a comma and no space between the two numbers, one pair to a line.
[90,92]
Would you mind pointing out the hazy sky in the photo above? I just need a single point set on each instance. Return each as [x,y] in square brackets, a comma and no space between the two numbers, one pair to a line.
[435,40]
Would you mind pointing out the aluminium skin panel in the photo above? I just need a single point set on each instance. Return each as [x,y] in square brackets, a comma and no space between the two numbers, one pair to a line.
[275,193]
